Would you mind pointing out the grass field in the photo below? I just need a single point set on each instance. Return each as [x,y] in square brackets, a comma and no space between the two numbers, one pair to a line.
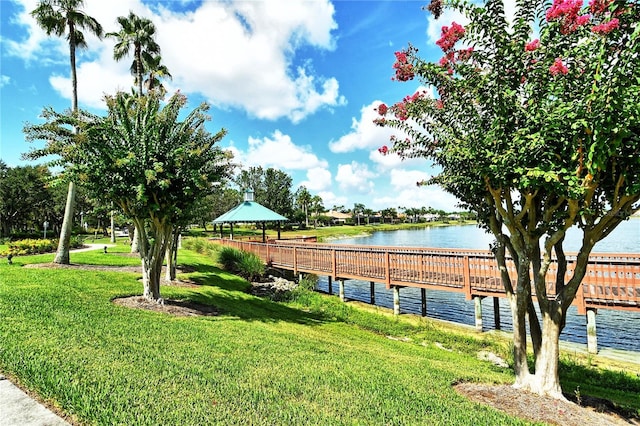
[313,360]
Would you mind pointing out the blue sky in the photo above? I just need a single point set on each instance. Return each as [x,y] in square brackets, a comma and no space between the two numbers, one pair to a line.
[295,83]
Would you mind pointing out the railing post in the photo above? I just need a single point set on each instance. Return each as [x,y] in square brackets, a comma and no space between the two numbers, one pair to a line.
[334,265]
[295,261]
[387,269]
[467,277]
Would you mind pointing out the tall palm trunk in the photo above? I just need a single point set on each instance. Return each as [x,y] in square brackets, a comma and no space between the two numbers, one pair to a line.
[62,255]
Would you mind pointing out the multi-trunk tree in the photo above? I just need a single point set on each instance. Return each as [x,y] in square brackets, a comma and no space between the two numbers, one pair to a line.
[142,156]
[534,124]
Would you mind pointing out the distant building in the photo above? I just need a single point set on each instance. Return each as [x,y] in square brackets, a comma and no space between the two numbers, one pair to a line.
[337,217]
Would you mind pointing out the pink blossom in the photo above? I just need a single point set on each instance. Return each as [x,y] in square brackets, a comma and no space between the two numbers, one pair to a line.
[606,27]
[383,150]
[382,109]
[439,104]
[465,54]
[566,12]
[532,45]
[558,67]
[450,35]
[404,70]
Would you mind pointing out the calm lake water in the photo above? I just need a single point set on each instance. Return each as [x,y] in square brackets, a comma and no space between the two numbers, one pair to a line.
[615,329]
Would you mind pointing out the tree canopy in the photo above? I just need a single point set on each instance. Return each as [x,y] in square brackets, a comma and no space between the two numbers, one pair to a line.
[534,124]
[143,157]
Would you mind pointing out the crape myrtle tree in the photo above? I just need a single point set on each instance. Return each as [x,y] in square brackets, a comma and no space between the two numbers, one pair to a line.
[535,129]
[141,156]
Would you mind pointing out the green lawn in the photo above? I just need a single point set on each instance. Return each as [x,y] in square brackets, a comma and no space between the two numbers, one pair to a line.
[313,360]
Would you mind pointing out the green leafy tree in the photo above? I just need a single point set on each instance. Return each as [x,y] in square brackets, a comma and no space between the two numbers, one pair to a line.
[358,211]
[137,34]
[316,206]
[65,17]
[141,156]
[155,71]
[271,188]
[536,136]
[302,201]
[24,198]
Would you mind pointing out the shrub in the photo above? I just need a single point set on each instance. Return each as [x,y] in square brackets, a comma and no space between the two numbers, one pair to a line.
[245,264]
[228,258]
[250,266]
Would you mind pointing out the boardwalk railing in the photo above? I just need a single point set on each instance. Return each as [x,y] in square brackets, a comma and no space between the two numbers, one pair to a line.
[612,280]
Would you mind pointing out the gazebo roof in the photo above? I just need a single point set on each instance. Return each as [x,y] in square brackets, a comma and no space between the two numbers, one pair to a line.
[250,211]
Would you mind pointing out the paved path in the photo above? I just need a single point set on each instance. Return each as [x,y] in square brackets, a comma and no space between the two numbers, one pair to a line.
[19,409]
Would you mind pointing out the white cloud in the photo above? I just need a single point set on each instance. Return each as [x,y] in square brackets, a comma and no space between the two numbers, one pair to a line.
[4,80]
[318,179]
[365,133]
[355,177]
[280,152]
[329,199]
[418,196]
[234,53]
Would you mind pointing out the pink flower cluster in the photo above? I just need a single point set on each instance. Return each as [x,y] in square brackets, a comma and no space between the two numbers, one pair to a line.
[383,150]
[404,70]
[532,45]
[382,109]
[400,109]
[558,67]
[566,11]
[606,27]
[450,35]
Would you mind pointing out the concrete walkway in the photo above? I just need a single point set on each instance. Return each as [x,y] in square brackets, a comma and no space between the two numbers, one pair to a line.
[19,409]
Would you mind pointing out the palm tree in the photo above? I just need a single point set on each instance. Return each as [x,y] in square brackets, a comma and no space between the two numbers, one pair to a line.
[62,17]
[137,33]
[155,71]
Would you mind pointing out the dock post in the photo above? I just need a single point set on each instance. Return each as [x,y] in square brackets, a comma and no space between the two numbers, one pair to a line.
[478,308]
[330,289]
[396,300]
[341,290]
[423,297]
[496,312]
[592,337]
[372,291]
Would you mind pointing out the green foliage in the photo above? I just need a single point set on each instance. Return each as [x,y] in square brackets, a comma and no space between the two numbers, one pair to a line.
[245,264]
[38,246]
[228,258]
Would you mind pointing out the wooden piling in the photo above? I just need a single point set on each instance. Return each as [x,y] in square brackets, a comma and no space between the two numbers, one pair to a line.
[372,292]
[592,337]
[341,289]
[496,312]
[478,308]
[330,289]
[396,300]
[423,305]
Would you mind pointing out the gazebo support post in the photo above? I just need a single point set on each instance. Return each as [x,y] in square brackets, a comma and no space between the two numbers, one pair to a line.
[279,223]
[264,232]
[231,231]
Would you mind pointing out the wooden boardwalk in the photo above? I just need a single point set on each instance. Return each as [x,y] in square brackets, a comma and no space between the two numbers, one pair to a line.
[612,280]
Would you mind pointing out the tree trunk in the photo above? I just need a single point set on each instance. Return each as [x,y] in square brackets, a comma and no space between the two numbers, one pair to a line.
[153,248]
[62,255]
[135,241]
[546,379]
[113,228]
[172,256]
